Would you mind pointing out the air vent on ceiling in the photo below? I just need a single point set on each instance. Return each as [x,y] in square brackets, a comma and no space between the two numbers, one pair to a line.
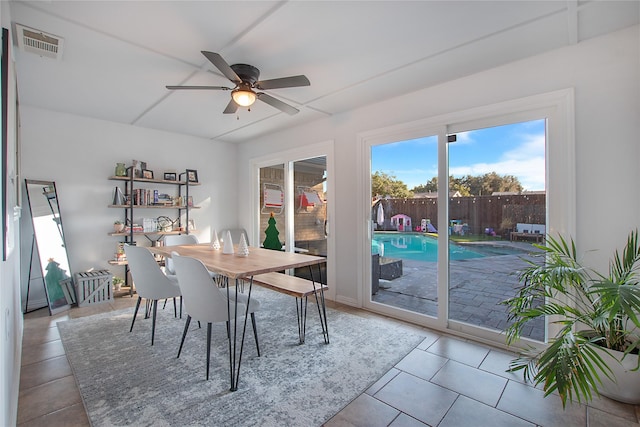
[39,42]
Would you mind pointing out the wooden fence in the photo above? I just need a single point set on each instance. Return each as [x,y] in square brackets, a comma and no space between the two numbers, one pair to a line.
[501,213]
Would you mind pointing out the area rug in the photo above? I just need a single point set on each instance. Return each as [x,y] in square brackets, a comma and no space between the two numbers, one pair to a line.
[124,380]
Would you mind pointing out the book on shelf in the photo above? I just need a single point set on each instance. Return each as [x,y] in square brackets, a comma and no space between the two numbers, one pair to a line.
[143,197]
[136,228]
[149,225]
[163,200]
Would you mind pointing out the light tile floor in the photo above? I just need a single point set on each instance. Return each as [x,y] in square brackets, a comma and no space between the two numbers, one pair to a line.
[444,381]
[49,395]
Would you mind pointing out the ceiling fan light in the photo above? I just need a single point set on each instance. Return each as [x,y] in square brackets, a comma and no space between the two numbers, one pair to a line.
[243,97]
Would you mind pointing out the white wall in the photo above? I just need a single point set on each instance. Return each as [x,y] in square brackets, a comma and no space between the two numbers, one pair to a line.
[604,72]
[80,153]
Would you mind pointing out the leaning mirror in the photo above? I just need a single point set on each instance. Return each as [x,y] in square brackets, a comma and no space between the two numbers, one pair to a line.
[49,269]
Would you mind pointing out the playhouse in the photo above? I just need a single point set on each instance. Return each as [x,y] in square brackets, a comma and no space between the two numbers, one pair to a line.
[401,222]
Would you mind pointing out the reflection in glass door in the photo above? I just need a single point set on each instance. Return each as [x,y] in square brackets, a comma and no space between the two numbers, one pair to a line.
[272,202]
[294,194]
[497,210]
[310,211]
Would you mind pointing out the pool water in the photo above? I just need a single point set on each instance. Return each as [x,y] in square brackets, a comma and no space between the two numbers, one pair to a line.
[419,247]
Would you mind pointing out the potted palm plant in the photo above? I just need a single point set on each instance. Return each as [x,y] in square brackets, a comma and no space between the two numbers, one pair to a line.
[595,350]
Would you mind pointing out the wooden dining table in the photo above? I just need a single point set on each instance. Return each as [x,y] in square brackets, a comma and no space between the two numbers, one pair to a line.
[241,268]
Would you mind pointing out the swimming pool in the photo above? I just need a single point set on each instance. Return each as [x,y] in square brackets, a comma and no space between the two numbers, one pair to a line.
[419,247]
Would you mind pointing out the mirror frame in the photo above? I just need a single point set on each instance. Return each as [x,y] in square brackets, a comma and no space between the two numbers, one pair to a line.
[57,300]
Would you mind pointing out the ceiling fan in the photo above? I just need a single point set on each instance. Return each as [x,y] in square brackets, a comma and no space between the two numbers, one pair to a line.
[245,77]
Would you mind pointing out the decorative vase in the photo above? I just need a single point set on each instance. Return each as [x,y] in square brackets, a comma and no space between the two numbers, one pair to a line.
[215,243]
[227,247]
[626,388]
[121,170]
[118,227]
[118,197]
[243,247]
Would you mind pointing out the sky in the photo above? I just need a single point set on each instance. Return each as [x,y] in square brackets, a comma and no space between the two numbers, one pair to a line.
[516,149]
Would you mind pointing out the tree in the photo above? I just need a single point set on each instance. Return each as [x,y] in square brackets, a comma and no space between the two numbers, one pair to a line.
[474,184]
[272,241]
[458,185]
[430,187]
[511,183]
[477,185]
[455,184]
[383,185]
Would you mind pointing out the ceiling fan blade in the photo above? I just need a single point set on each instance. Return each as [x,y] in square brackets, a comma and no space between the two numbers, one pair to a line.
[277,103]
[232,107]
[222,65]
[199,87]
[293,81]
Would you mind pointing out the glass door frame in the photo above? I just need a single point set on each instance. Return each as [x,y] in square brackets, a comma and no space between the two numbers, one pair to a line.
[288,158]
[557,107]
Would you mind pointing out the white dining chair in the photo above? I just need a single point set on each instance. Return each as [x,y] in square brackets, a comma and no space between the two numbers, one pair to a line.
[150,282]
[205,302]
[182,239]
[176,240]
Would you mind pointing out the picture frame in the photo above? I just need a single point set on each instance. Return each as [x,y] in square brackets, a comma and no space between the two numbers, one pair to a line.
[147,174]
[190,201]
[170,176]
[192,175]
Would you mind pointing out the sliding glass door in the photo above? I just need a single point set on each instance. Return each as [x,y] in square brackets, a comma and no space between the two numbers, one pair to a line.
[404,214]
[497,210]
[454,216]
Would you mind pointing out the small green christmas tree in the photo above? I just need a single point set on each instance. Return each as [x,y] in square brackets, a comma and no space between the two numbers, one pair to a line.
[272,241]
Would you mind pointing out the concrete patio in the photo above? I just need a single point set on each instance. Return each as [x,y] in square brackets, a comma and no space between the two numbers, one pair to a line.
[478,287]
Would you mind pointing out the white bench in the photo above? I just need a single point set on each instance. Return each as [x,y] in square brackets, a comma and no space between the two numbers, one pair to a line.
[301,289]
[531,228]
[525,231]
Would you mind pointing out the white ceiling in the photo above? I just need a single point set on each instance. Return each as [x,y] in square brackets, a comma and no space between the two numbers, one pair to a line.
[118,56]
